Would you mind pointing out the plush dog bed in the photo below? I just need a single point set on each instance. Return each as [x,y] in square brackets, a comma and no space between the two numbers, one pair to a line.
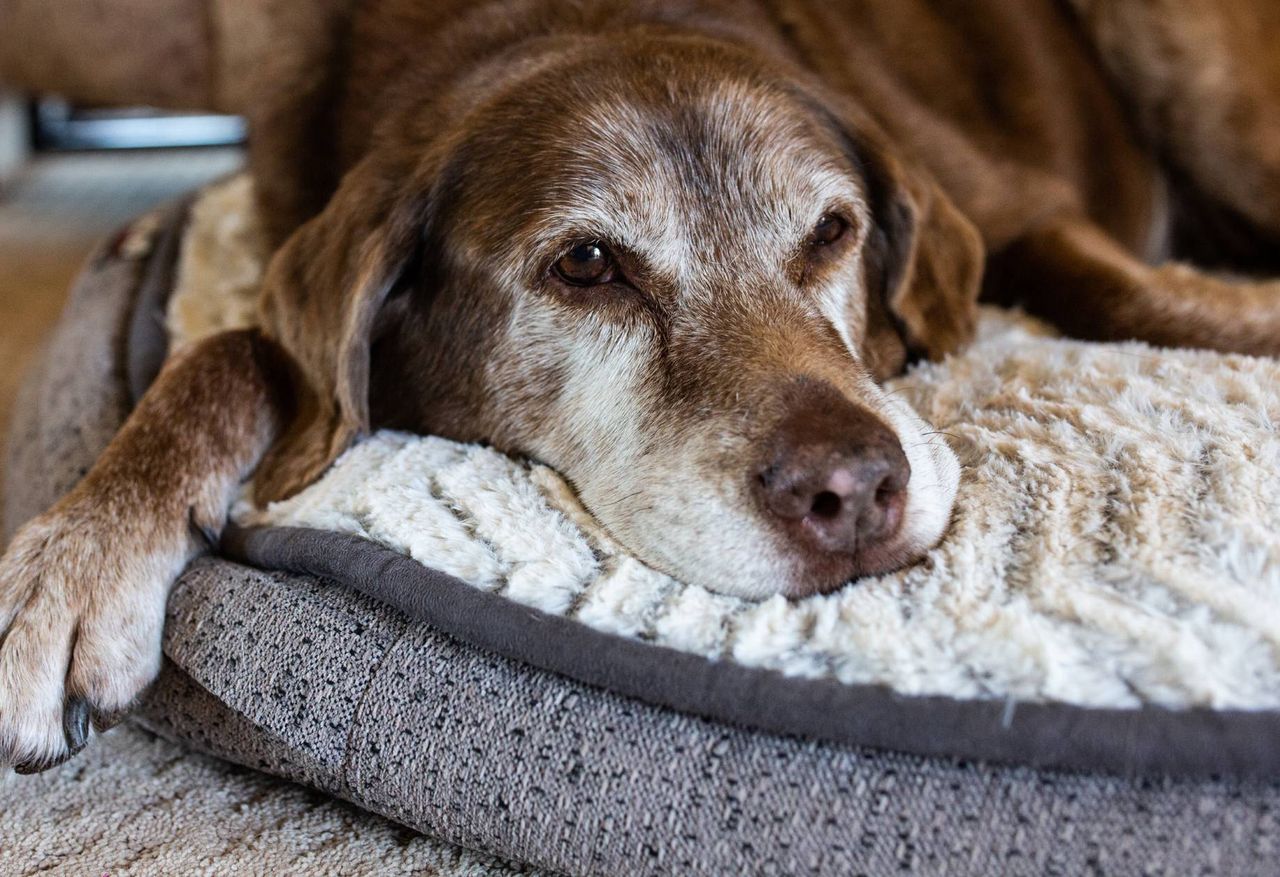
[440,634]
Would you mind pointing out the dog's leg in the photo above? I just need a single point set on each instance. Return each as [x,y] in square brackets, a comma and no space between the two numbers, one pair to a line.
[293,150]
[1073,275]
[1203,77]
[83,586]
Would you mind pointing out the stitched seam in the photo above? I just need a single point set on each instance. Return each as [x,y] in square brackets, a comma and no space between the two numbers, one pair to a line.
[344,769]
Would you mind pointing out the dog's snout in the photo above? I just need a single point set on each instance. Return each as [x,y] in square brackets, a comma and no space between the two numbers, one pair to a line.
[835,479]
[844,500]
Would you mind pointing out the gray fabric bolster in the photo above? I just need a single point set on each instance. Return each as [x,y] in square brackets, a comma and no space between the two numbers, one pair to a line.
[1145,741]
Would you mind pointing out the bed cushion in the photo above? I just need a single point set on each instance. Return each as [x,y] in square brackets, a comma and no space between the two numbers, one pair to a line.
[371,673]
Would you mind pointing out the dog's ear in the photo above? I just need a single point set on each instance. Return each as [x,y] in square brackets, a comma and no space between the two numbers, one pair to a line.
[322,297]
[923,257]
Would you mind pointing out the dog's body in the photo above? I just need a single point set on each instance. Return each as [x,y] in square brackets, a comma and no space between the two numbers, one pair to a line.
[670,249]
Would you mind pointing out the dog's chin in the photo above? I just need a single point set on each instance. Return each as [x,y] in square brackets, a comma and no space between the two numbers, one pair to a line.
[826,574]
[790,573]
[753,561]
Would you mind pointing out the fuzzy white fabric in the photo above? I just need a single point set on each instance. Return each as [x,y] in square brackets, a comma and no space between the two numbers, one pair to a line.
[220,265]
[1116,540]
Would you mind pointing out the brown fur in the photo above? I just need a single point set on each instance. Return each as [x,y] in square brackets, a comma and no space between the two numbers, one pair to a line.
[417,164]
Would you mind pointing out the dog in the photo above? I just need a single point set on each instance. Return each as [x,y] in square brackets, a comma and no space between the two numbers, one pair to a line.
[671,248]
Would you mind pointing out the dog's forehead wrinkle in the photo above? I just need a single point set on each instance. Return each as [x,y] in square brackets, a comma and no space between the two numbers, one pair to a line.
[629,205]
[719,175]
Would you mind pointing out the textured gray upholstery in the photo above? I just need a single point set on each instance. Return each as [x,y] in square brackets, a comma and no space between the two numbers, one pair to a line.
[305,678]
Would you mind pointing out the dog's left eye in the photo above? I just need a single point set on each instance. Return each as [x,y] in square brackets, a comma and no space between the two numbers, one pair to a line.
[830,228]
[587,264]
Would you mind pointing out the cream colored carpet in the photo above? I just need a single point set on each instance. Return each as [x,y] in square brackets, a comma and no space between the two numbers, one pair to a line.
[133,804]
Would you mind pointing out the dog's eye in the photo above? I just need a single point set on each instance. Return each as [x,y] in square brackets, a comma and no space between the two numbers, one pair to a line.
[828,230]
[588,264]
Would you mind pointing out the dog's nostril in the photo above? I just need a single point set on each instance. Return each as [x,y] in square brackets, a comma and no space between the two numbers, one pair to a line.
[886,492]
[826,505]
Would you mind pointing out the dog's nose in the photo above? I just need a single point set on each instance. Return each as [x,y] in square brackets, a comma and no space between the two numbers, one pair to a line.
[836,480]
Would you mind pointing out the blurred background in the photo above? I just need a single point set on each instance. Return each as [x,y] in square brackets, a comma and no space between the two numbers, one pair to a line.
[106,108]
[70,174]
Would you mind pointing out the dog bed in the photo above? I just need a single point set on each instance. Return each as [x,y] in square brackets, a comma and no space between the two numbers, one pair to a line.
[441,635]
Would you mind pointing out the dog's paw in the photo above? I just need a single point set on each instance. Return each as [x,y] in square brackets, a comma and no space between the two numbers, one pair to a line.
[81,612]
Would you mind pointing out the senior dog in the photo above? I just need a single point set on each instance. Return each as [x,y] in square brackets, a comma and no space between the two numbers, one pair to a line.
[671,248]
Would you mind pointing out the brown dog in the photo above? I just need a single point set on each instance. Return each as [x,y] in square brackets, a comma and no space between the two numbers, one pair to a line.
[669,248]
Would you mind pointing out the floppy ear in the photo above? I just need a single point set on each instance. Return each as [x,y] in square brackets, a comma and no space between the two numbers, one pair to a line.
[322,295]
[923,255]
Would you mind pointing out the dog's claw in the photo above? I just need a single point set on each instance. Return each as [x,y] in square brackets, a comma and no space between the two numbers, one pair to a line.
[105,721]
[75,724]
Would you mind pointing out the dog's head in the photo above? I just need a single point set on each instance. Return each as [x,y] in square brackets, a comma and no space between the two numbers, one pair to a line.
[669,272]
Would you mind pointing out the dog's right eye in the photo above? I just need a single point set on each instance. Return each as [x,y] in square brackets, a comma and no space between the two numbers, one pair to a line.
[830,228]
[587,264]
